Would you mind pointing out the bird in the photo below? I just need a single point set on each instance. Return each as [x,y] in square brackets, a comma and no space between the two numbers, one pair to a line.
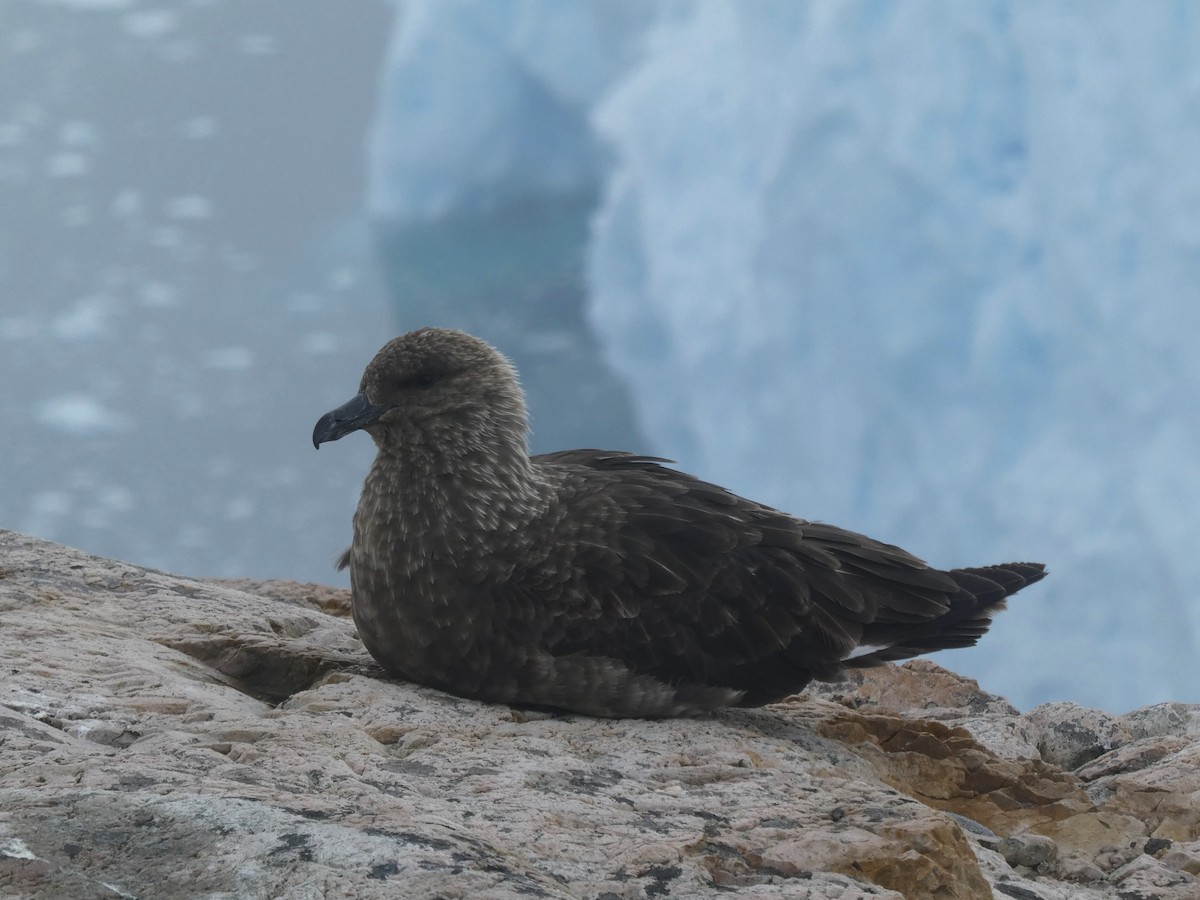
[606,583]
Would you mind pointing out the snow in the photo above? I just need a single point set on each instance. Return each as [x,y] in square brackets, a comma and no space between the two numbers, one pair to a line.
[926,270]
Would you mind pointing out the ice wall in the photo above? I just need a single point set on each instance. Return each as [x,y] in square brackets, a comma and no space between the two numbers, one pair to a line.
[925,269]
[929,270]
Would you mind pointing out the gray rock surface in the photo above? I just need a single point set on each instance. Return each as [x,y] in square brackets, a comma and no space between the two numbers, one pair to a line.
[171,737]
[1069,735]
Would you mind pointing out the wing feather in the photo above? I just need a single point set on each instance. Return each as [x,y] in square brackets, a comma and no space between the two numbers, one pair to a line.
[695,585]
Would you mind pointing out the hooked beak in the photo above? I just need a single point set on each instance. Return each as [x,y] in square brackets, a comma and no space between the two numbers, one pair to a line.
[358,413]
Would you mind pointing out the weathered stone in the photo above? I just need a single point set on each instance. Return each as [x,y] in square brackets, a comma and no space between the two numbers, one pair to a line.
[1146,878]
[1176,719]
[1033,851]
[1161,788]
[918,688]
[922,689]
[164,736]
[1184,857]
[1070,736]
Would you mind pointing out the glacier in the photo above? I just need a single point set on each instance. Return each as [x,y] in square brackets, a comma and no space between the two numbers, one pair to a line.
[923,269]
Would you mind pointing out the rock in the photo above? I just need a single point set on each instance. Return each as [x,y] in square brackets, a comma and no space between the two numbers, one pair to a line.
[1185,860]
[1145,878]
[166,736]
[1156,781]
[918,688]
[1069,735]
[1029,850]
[1176,719]
[922,689]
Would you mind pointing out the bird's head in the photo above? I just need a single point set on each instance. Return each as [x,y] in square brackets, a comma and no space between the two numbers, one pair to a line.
[428,387]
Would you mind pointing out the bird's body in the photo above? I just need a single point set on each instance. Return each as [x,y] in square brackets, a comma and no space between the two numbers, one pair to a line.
[604,582]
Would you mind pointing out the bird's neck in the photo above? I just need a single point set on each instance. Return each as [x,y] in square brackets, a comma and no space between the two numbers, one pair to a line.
[449,498]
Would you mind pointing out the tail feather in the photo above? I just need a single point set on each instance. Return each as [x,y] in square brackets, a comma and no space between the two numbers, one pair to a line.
[982,593]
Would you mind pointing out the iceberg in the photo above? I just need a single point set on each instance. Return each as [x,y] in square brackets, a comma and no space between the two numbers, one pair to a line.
[926,270]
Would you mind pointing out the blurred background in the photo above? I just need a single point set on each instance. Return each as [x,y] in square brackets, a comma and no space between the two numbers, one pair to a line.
[924,269]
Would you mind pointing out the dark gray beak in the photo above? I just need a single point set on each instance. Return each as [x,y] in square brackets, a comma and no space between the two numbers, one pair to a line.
[358,413]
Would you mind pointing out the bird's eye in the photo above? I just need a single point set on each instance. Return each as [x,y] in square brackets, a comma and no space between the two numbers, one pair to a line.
[423,379]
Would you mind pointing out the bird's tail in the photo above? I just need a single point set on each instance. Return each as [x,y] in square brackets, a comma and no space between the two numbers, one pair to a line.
[982,593]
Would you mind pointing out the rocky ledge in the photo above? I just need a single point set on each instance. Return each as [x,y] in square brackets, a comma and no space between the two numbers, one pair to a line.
[172,737]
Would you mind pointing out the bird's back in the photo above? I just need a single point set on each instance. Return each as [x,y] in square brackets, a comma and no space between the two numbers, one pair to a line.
[687,582]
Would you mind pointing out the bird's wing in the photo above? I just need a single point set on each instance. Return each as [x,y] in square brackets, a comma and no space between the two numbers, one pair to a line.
[686,581]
